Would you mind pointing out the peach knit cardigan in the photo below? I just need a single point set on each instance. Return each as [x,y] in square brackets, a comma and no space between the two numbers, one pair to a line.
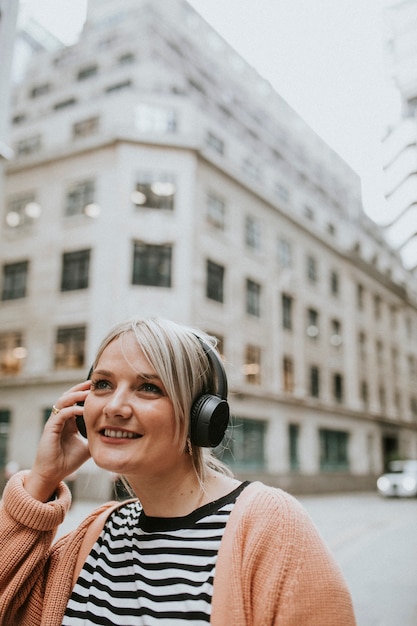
[272,568]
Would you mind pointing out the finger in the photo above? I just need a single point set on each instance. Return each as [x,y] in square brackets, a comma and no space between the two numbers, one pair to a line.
[70,399]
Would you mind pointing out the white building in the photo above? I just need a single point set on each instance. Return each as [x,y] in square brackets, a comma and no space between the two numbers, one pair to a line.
[400,144]
[157,174]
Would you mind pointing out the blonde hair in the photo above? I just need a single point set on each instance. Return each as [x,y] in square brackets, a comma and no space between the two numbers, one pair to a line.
[178,357]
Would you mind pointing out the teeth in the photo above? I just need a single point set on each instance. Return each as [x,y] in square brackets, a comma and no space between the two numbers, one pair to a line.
[119,434]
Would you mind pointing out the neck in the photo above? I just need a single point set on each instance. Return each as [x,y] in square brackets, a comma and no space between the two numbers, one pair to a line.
[181,494]
[173,496]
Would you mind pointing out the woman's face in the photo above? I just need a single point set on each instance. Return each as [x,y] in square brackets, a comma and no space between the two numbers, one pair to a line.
[129,417]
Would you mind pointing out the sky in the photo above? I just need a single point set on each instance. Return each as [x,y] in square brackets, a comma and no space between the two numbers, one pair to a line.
[326,58]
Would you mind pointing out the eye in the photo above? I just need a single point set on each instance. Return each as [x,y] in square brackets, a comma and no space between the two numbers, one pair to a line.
[100,384]
[151,388]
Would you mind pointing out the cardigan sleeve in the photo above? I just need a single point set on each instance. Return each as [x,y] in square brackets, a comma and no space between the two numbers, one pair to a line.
[27,529]
[273,568]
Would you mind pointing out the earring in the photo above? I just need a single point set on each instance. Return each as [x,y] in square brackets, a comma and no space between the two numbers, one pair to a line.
[189,447]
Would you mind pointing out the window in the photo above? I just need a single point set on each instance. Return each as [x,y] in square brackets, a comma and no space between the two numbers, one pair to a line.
[309,213]
[253,234]
[197,86]
[15,280]
[126,59]
[253,298]
[314,381]
[379,352]
[312,323]
[397,402]
[87,72]
[377,307]
[65,104]
[334,283]
[338,388]
[70,347]
[360,292]
[286,303]
[79,196]
[412,368]
[293,445]
[154,191]
[252,366]
[12,353]
[246,448]
[5,418]
[125,84]
[413,407]
[311,269]
[331,229]
[362,346]
[409,328]
[214,142]
[335,333]
[364,394]
[85,128]
[75,270]
[251,169]
[334,450]
[152,265]
[282,192]
[22,210]
[214,284]
[153,118]
[220,342]
[284,253]
[40,90]
[288,374]
[28,146]
[19,119]
[46,412]
[216,210]
[382,398]
[394,360]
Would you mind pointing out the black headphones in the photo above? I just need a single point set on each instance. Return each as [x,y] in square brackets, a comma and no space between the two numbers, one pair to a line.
[209,416]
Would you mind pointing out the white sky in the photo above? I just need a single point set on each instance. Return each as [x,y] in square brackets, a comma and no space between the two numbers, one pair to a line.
[324,57]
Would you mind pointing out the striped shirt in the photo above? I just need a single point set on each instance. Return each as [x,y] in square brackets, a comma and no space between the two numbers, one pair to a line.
[148,571]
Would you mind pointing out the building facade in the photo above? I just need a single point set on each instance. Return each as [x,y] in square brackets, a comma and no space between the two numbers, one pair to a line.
[400,143]
[156,173]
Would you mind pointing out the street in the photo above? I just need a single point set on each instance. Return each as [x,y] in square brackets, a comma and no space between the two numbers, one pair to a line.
[374,542]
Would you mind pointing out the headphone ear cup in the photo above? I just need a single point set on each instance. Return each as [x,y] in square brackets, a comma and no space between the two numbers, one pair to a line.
[209,419]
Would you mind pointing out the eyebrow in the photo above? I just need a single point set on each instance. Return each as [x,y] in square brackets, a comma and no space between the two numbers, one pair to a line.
[143,375]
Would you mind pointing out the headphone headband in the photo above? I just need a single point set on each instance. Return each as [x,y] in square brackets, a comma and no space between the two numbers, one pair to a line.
[217,364]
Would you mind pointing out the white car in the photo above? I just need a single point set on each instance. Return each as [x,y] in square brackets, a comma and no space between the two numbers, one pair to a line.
[400,480]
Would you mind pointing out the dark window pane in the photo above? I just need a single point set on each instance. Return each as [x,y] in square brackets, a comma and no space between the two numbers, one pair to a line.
[75,270]
[152,265]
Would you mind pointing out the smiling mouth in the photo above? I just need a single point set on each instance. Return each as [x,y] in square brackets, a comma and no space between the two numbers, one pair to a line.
[119,434]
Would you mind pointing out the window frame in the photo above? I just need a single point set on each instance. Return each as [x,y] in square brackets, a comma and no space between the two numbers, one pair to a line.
[15,280]
[73,342]
[150,256]
[215,281]
[253,298]
[75,270]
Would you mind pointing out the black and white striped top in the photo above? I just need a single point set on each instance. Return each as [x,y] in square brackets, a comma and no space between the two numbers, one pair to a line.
[147,571]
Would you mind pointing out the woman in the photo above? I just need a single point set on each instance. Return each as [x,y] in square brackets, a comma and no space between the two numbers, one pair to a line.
[195,544]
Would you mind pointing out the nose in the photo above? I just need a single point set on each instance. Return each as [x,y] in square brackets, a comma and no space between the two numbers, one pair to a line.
[118,404]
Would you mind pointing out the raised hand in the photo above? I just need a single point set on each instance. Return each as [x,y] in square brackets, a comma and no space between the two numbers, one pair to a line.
[61,449]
